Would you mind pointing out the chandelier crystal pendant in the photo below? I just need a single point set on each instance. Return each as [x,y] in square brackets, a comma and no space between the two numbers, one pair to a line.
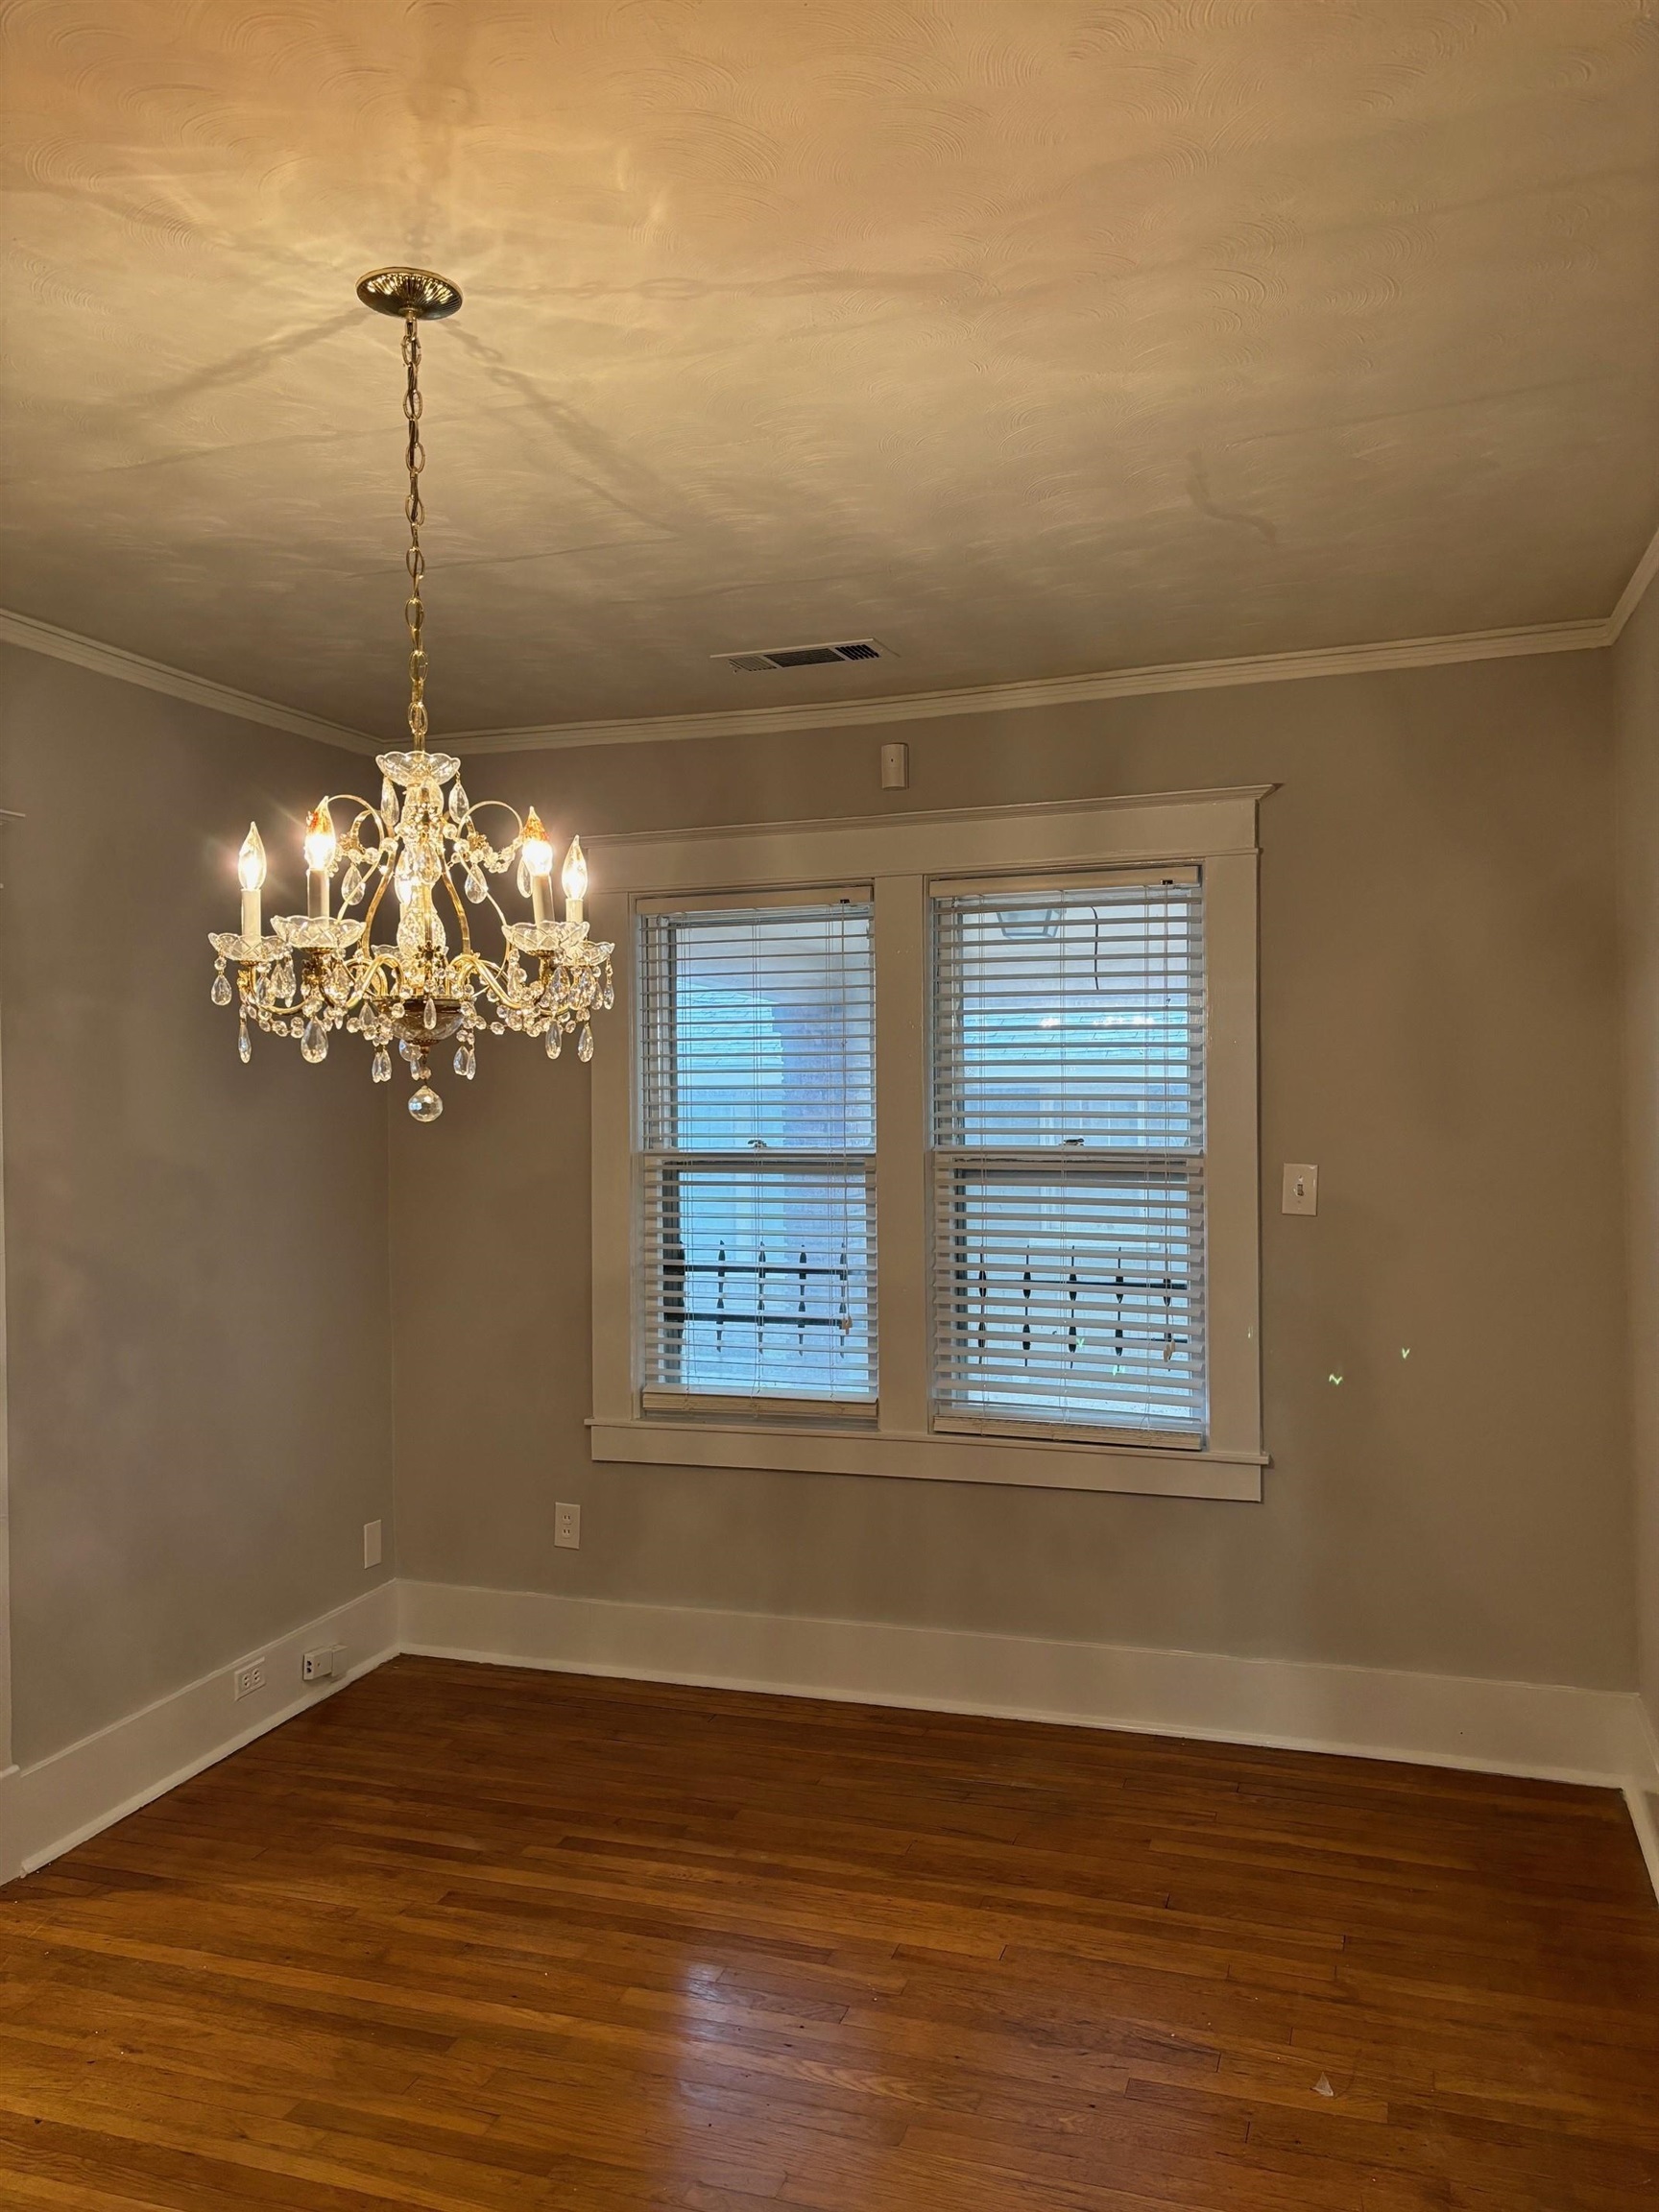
[320,971]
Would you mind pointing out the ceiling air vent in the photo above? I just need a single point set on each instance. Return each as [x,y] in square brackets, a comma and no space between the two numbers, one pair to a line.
[803,656]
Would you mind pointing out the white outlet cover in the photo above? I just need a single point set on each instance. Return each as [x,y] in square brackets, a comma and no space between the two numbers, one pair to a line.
[568,1528]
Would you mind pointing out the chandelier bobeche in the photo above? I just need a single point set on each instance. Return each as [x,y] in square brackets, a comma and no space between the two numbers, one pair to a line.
[320,971]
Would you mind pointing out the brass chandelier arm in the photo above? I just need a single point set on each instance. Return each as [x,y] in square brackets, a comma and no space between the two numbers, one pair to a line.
[478,806]
[363,977]
[490,899]
[365,813]
[384,877]
[382,964]
[460,913]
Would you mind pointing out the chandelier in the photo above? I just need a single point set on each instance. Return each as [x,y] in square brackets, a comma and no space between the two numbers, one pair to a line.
[322,970]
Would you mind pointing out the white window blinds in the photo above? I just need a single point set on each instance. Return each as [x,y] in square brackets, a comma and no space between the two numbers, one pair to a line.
[757,1171]
[1068,1236]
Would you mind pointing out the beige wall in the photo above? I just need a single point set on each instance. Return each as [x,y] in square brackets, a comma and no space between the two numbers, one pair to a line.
[195,1252]
[1636,723]
[1439,1033]
[197,1255]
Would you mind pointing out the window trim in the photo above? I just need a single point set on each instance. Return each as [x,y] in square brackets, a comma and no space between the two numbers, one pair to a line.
[905,857]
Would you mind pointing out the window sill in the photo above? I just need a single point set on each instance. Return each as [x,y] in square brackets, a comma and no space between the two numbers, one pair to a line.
[1033,1465]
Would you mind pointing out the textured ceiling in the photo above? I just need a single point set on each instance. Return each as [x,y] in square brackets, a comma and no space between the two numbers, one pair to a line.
[1032,338]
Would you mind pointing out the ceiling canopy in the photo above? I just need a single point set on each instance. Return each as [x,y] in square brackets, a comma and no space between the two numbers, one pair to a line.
[1031,338]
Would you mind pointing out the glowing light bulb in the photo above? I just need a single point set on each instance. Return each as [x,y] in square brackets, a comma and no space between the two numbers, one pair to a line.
[320,842]
[250,861]
[250,874]
[574,877]
[535,865]
[536,848]
[320,847]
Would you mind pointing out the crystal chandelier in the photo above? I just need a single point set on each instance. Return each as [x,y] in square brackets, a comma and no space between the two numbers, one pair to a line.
[320,971]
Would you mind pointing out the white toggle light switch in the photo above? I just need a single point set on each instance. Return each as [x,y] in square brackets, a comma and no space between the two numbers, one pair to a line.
[1301,1188]
[895,767]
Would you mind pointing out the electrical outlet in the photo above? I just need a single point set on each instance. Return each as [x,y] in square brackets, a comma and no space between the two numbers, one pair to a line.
[317,1666]
[250,1677]
[370,1543]
[568,1528]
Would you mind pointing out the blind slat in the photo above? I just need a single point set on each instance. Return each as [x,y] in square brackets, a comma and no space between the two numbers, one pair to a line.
[1068,1223]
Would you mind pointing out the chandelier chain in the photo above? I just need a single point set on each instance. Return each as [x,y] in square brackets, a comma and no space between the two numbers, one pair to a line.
[413,560]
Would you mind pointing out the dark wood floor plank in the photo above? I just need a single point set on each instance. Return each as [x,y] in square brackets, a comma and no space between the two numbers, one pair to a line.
[471,1940]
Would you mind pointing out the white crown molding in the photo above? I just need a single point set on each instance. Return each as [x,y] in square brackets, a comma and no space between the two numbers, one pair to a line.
[1047,691]
[1578,637]
[1630,598]
[178,683]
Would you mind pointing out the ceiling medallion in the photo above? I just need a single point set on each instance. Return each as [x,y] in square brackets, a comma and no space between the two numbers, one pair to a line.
[320,971]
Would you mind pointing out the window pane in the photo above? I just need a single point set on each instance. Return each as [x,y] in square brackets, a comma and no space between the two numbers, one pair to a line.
[760,1281]
[757,1114]
[1070,1018]
[1071,1297]
[1068,1128]
[760,1027]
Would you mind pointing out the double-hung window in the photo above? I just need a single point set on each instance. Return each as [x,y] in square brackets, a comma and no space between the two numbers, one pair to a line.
[934,1152]
[757,1188]
[1069,1166]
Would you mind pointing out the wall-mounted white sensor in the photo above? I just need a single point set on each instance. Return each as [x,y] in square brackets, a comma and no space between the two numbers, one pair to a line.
[895,767]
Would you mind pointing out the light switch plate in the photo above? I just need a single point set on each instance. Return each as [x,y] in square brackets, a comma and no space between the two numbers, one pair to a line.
[895,767]
[1301,1188]
[370,1544]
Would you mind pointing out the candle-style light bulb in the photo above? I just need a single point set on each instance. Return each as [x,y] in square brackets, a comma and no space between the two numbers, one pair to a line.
[250,874]
[320,842]
[574,877]
[250,861]
[536,851]
[320,847]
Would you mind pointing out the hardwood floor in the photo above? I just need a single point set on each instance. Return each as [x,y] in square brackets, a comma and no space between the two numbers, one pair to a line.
[471,1937]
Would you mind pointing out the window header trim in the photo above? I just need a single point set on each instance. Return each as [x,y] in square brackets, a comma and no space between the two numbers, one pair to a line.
[960,843]
[806,896]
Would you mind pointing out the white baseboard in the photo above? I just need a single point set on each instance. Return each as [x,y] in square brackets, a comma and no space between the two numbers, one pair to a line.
[1555,1732]
[1643,1807]
[50,1807]
[1641,1795]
